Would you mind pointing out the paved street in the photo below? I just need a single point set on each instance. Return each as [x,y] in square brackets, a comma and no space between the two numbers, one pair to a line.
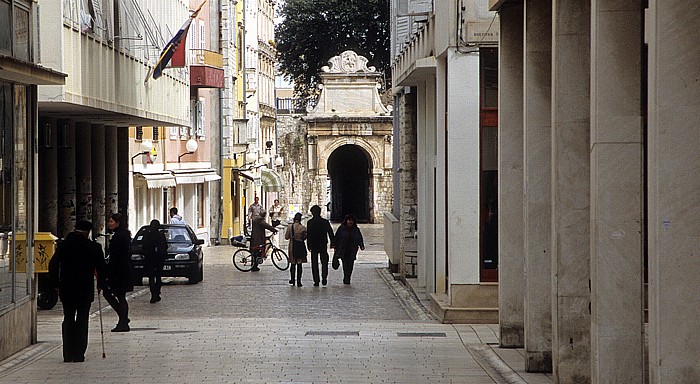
[237,327]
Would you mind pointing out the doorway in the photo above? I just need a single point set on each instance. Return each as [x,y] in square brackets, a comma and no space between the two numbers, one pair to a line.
[349,171]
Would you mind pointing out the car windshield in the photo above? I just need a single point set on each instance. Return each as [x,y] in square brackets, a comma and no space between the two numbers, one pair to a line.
[173,235]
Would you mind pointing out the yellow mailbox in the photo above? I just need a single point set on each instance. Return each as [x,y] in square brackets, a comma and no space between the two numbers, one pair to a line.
[44,247]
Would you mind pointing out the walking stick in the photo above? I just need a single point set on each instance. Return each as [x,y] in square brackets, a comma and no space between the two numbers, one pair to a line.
[102,330]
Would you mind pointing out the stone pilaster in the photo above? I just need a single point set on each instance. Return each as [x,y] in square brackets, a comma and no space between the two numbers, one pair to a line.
[570,190]
[409,189]
[616,193]
[511,266]
[673,190]
[537,175]
[99,220]
[67,203]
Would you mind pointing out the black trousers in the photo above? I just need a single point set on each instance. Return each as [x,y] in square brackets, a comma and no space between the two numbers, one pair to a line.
[324,264]
[118,302]
[155,281]
[74,330]
[348,265]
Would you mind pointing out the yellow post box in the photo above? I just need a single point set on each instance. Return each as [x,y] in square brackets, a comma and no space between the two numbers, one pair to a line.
[44,247]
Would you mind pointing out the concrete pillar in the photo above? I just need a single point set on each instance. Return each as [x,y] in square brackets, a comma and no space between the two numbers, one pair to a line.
[426,135]
[440,214]
[616,158]
[123,171]
[511,280]
[99,219]
[674,182]
[66,183]
[463,151]
[537,170]
[571,320]
[111,169]
[83,171]
[48,176]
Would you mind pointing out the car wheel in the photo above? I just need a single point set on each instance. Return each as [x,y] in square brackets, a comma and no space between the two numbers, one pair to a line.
[201,273]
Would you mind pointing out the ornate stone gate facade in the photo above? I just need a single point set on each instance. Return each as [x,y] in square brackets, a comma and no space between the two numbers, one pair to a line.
[348,145]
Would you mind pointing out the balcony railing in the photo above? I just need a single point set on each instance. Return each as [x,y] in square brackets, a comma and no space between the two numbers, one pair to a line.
[206,57]
[290,106]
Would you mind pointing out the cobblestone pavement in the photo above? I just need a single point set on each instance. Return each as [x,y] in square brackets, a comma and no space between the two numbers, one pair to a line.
[237,327]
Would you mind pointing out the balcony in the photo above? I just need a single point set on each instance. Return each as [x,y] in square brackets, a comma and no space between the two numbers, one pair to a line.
[206,69]
[291,106]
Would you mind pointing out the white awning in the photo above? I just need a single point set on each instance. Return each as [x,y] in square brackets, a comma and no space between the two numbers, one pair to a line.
[157,179]
[195,176]
[271,180]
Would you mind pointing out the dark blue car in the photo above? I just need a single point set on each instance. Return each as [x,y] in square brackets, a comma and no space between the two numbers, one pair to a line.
[185,256]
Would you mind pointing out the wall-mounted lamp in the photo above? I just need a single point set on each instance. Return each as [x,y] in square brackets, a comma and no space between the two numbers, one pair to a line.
[191,147]
[146,147]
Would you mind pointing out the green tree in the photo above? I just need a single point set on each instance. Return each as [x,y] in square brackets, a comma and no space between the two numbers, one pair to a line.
[313,31]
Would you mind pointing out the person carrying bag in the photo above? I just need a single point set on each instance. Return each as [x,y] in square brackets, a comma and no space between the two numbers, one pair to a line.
[296,233]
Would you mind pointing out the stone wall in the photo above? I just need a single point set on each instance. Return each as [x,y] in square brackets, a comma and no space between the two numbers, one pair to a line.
[409,192]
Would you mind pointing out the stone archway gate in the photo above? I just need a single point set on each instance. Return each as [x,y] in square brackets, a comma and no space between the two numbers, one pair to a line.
[349,112]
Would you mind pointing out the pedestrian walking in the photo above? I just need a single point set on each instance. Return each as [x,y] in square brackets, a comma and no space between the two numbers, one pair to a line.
[348,239]
[319,230]
[257,236]
[155,249]
[174,217]
[119,280]
[72,271]
[296,234]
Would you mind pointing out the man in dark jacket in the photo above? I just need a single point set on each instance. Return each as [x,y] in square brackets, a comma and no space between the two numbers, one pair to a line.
[72,270]
[155,250]
[318,231]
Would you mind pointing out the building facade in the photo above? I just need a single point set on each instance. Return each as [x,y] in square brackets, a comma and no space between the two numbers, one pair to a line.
[445,118]
[21,72]
[608,102]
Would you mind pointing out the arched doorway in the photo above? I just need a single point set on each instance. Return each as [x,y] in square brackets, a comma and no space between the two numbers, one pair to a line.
[349,171]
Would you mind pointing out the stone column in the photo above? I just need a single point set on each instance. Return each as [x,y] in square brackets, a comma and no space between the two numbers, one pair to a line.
[511,280]
[83,171]
[537,171]
[111,169]
[48,176]
[571,320]
[99,220]
[66,184]
[123,171]
[616,157]
[426,136]
[674,200]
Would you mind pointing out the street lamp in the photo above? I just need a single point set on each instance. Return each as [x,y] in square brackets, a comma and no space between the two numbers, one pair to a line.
[191,147]
[146,147]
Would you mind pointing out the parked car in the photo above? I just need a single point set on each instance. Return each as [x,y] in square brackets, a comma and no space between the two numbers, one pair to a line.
[185,256]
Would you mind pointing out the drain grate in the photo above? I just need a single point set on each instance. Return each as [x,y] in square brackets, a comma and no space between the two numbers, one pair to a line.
[332,333]
[421,334]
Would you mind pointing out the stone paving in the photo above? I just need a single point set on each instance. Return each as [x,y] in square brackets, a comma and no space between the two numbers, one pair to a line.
[237,327]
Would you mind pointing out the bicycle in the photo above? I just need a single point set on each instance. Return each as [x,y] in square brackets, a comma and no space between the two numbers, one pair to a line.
[243,258]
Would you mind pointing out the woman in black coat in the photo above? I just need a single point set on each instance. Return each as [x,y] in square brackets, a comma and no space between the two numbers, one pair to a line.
[119,280]
[348,239]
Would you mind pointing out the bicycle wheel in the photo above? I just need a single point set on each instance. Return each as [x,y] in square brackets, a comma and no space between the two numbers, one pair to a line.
[280,259]
[243,260]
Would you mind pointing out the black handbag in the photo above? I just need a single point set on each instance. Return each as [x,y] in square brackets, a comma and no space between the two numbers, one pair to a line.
[336,260]
[298,247]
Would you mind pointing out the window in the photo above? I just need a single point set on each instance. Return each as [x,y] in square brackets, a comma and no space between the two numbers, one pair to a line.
[139,133]
[5,28]
[22,36]
[155,134]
